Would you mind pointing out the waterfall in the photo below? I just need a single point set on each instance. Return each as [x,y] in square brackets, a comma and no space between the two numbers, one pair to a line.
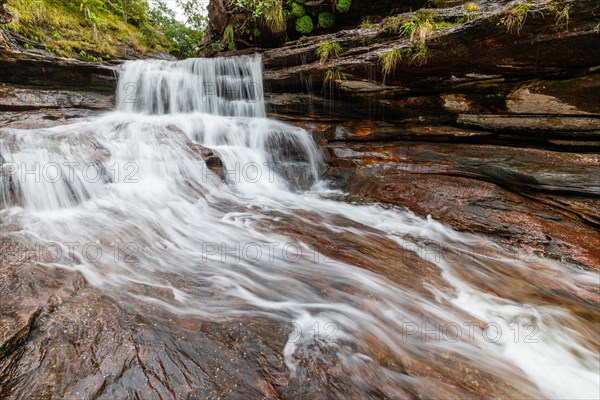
[266,239]
[217,86]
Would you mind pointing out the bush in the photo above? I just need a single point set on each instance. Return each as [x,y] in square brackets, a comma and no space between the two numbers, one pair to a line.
[343,5]
[297,10]
[304,25]
[326,19]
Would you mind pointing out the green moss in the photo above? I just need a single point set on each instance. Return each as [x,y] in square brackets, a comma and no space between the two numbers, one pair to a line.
[343,5]
[471,7]
[326,19]
[304,25]
[296,10]
[229,38]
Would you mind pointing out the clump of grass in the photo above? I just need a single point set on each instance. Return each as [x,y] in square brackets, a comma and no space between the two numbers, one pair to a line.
[597,27]
[328,49]
[472,12]
[275,16]
[420,26]
[332,76]
[516,18]
[366,24]
[562,18]
[417,54]
[389,60]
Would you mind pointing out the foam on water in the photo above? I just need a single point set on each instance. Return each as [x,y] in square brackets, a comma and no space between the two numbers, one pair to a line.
[134,185]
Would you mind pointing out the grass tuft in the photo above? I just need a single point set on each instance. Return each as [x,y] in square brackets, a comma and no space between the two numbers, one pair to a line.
[328,49]
[332,76]
[516,18]
[389,60]
[562,18]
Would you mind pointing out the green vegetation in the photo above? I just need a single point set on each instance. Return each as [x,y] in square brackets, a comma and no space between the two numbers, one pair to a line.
[297,10]
[515,20]
[281,18]
[304,25]
[229,38]
[389,60]
[366,24]
[562,18]
[326,19]
[327,49]
[269,13]
[472,10]
[417,53]
[420,26]
[343,5]
[183,38]
[597,27]
[333,75]
[471,7]
[103,27]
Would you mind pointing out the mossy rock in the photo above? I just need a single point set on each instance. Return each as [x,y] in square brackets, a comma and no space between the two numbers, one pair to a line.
[296,10]
[304,25]
[326,19]
[343,5]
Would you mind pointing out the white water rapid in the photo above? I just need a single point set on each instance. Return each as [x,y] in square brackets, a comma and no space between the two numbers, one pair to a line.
[127,200]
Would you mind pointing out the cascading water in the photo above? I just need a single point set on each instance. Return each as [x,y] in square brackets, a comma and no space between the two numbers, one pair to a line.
[127,200]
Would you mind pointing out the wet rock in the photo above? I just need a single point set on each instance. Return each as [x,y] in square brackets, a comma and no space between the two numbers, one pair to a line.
[14,98]
[212,159]
[532,200]
[43,118]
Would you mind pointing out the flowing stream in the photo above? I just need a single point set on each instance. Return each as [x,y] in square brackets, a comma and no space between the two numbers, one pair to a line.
[389,299]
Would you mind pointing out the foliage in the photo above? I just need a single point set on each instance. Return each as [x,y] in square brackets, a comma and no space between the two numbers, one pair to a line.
[417,53]
[343,5]
[468,17]
[229,38]
[193,12]
[296,10]
[366,24]
[515,19]
[597,27]
[327,49]
[326,19]
[562,18]
[304,25]
[389,60]
[184,38]
[104,27]
[333,75]
[269,13]
[420,26]
[472,10]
